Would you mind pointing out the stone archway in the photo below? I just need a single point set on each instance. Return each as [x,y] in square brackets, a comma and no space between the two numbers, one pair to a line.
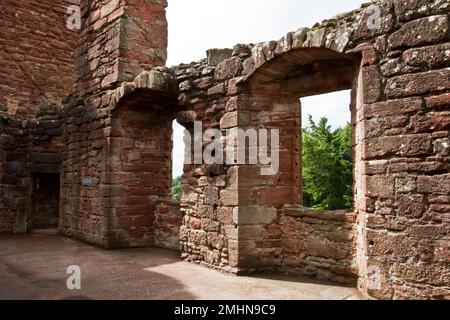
[274,231]
[139,178]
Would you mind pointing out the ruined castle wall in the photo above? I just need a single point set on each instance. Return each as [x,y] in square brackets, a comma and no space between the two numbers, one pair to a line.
[36,60]
[397,241]
[319,244]
[115,170]
[119,39]
[140,174]
[405,123]
[27,147]
[36,73]
[113,165]
[14,176]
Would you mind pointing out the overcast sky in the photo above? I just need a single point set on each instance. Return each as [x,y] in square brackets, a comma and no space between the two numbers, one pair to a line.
[198,25]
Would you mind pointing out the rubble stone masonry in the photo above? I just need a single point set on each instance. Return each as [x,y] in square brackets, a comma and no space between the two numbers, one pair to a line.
[111,142]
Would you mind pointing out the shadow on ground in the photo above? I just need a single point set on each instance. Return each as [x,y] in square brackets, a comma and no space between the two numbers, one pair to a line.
[33,266]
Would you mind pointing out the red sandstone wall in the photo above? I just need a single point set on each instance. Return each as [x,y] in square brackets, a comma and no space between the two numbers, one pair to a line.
[145,45]
[25,148]
[233,220]
[119,40]
[36,71]
[400,119]
[319,244]
[36,60]
[140,176]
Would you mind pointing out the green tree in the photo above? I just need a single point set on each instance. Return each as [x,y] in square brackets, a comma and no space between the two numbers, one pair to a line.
[327,166]
[176,189]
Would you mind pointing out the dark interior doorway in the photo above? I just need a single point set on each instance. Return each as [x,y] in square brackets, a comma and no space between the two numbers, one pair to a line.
[45,200]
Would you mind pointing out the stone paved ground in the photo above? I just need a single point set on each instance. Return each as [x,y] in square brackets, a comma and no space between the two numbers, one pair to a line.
[34,267]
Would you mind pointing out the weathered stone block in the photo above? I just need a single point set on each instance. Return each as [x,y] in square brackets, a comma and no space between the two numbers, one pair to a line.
[251,232]
[225,215]
[372,84]
[433,57]
[434,184]
[418,84]
[229,197]
[403,145]
[217,56]
[411,205]
[422,31]
[442,100]
[411,9]
[234,119]
[380,186]
[369,27]
[228,69]
[441,147]
[436,274]
[244,215]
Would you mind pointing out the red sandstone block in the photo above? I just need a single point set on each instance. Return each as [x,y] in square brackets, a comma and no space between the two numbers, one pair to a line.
[419,32]
[411,206]
[195,224]
[435,274]
[225,215]
[228,69]
[409,9]
[439,184]
[432,57]
[431,231]
[380,186]
[277,195]
[439,199]
[229,197]
[418,84]
[392,107]
[219,89]
[372,84]
[442,100]
[134,211]
[403,145]
[143,221]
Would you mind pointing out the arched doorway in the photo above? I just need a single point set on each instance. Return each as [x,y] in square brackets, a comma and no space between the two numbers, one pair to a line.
[276,230]
[141,212]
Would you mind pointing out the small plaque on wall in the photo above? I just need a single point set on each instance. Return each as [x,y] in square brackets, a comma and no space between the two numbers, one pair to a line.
[86,181]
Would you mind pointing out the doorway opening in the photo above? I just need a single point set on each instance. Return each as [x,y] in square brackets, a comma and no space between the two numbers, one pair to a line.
[44,200]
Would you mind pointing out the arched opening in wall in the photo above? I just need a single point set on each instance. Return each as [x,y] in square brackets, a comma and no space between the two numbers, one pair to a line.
[325,82]
[44,194]
[305,241]
[142,212]
[168,217]
[326,151]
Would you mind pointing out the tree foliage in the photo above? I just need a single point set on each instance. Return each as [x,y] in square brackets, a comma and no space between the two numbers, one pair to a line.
[327,166]
[176,189]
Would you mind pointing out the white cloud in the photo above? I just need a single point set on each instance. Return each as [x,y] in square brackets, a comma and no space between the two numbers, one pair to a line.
[198,25]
